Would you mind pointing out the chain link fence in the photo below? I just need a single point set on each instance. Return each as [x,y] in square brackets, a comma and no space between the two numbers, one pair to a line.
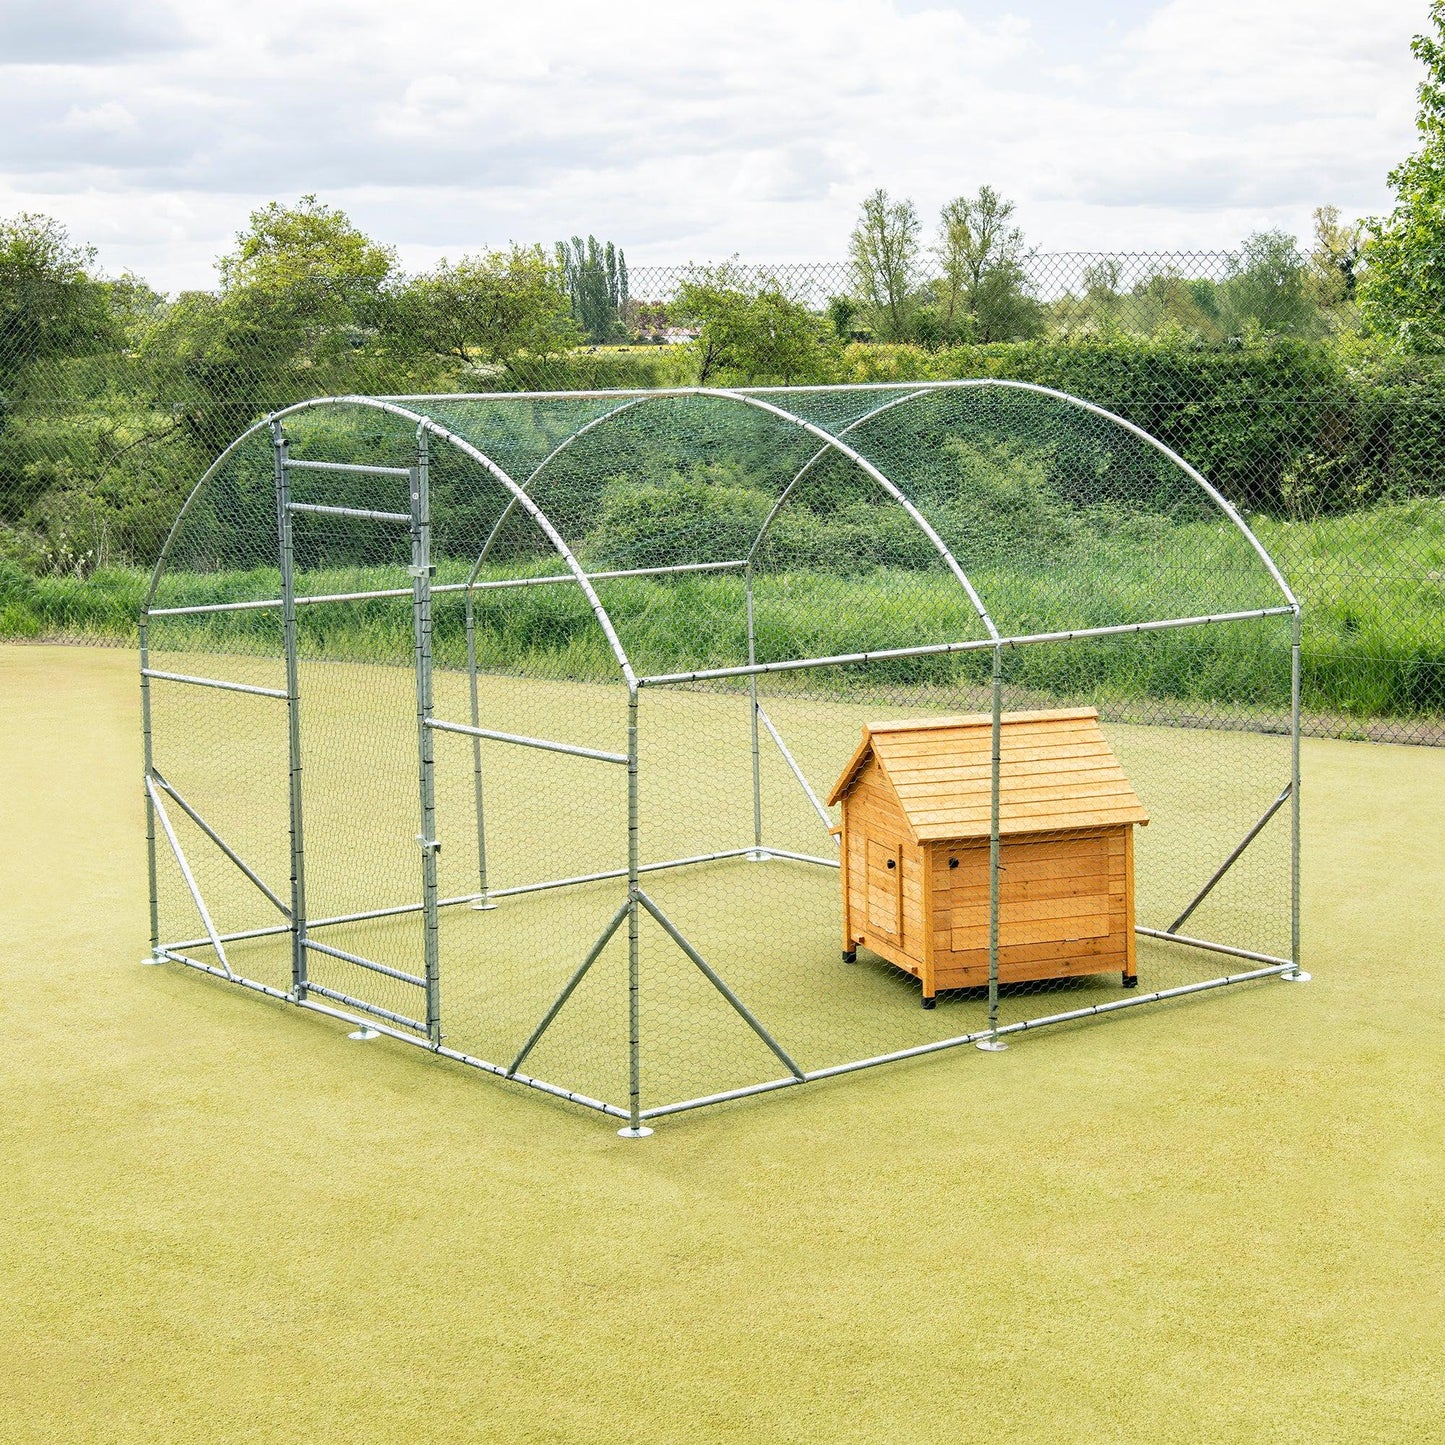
[1250,365]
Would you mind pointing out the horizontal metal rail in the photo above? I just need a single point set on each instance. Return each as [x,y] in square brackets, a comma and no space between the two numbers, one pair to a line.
[919,1050]
[931,649]
[798,857]
[336,996]
[545,744]
[397,909]
[541,1085]
[1212,947]
[361,962]
[216,607]
[214,682]
[490,583]
[365,514]
[292,464]
[269,932]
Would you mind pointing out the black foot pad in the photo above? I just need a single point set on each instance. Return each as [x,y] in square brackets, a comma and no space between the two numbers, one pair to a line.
[929,1002]
[850,955]
[1131,980]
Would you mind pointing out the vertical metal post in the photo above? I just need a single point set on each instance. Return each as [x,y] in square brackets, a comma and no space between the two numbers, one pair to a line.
[993,1043]
[757,853]
[635,1128]
[483,902]
[1298,975]
[149,759]
[421,572]
[293,709]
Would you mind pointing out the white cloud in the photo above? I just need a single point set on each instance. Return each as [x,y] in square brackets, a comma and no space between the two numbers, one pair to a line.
[688,130]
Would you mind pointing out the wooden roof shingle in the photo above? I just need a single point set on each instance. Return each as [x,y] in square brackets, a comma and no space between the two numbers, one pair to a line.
[1056,772]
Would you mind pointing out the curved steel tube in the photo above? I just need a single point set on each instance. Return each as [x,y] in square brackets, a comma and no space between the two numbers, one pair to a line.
[423,423]
[754,397]
[916,388]
[536,472]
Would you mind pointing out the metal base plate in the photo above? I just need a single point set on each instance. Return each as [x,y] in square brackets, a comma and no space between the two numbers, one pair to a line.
[483,907]
[1300,976]
[758,855]
[152,961]
[363,1034]
[641,1132]
[991,1046]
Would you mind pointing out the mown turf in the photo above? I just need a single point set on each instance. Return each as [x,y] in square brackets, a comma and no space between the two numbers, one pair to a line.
[1212,1221]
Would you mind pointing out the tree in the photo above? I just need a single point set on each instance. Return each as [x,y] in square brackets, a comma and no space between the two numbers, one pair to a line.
[595,277]
[883,250]
[489,307]
[1402,284]
[51,306]
[1267,289]
[749,326]
[981,255]
[1335,260]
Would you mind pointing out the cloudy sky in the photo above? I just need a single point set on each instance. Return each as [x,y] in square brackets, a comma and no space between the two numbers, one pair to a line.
[691,131]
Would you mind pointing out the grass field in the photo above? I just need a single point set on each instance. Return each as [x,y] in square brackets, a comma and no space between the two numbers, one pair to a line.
[1217,1220]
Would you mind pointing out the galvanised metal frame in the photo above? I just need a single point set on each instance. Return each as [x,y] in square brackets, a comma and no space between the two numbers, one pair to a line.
[371,1018]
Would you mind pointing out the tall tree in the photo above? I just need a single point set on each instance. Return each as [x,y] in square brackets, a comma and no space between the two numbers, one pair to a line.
[1402,285]
[595,277]
[883,250]
[982,256]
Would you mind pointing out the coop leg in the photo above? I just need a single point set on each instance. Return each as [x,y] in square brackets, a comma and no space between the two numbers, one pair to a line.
[929,1001]
[850,955]
[1131,980]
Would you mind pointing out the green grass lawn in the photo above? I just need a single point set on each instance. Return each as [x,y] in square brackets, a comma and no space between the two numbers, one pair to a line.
[1215,1220]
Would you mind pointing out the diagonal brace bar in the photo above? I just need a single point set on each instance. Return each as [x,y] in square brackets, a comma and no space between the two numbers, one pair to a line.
[1233,858]
[220,842]
[788,758]
[593,954]
[713,978]
[186,873]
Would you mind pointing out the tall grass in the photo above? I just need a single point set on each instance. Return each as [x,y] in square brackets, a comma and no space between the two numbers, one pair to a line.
[1371,651]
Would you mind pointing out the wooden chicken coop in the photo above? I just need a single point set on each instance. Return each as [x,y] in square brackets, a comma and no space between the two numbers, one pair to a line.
[917,810]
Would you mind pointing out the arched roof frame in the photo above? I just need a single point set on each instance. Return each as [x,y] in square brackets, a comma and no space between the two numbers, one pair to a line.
[755,398]
[433,428]
[919,390]
[831,443]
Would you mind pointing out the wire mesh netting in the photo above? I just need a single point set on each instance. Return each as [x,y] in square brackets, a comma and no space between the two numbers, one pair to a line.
[651,748]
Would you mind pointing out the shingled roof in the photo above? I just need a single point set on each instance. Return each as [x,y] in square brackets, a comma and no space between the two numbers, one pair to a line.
[1056,772]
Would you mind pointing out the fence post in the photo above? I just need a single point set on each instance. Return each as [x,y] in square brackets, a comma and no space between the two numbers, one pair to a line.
[293,709]
[1297,974]
[993,1043]
[149,759]
[421,573]
[483,902]
[635,1128]
[757,853]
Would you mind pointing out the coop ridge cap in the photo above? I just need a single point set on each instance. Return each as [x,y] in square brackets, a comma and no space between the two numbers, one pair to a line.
[979,719]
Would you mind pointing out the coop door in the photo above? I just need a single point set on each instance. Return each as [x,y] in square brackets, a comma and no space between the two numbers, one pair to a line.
[885,887]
